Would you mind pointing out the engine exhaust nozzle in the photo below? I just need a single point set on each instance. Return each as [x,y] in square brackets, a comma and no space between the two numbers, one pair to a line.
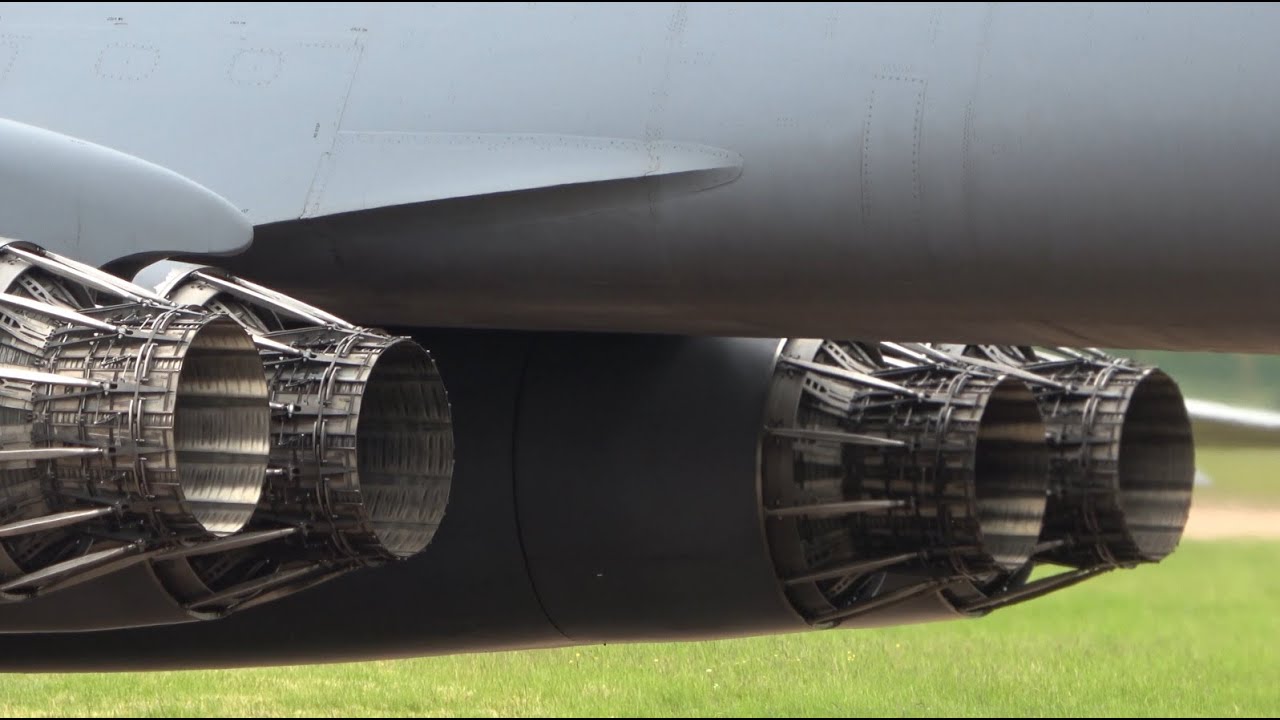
[885,480]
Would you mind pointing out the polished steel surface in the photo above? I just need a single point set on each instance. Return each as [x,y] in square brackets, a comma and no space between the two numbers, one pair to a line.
[221,428]
[1122,454]
[1157,466]
[127,423]
[961,496]
[361,453]
[404,449]
[1006,457]
[189,438]
[140,428]
[361,422]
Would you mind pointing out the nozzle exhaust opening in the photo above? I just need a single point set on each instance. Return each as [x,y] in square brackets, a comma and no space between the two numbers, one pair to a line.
[1157,467]
[222,428]
[1011,474]
[404,445]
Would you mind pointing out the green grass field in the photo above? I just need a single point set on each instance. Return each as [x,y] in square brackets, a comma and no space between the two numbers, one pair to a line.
[1196,635]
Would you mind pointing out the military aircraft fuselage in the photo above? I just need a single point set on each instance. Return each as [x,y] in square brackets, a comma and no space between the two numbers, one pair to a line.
[1101,174]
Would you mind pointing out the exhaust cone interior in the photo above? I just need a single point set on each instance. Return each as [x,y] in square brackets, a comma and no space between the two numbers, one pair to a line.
[1011,474]
[221,428]
[1157,466]
[1123,460]
[405,449]
[883,481]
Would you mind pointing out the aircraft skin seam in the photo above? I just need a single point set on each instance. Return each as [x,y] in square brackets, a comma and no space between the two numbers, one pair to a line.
[324,166]
[515,496]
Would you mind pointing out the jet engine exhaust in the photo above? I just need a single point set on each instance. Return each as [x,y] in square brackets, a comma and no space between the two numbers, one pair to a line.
[1123,456]
[201,454]
[883,481]
[362,454]
[129,428]
[1122,460]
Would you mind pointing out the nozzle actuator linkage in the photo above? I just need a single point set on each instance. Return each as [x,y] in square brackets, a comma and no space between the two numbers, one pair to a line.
[241,444]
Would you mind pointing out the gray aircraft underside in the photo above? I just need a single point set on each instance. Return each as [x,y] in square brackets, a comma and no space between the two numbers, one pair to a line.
[851,262]
[1100,174]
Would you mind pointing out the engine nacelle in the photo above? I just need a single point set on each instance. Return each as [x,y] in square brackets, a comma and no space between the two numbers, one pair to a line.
[637,488]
